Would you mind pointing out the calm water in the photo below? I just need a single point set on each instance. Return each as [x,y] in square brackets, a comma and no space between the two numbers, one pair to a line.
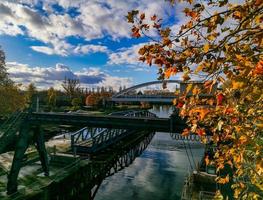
[158,174]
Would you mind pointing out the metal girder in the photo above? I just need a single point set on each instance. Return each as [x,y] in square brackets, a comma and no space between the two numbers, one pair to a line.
[122,122]
[27,134]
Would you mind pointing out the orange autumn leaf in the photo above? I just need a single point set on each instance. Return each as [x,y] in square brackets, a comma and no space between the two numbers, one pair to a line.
[169,72]
[259,69]
[237,15]
[223,180]
[193,14]
[228,110]
[206,160]
[242,139]
[206,47]
[200,132]
[258,2]
[203,113]
[208,83]
[238,84]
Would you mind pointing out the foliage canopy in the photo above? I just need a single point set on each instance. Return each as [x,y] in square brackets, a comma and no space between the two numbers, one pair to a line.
[11,98]
[222,43]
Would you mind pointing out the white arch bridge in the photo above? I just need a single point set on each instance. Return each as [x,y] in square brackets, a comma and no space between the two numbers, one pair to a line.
[126,96]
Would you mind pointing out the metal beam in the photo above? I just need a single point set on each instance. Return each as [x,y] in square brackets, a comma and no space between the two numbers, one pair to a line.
[123,122]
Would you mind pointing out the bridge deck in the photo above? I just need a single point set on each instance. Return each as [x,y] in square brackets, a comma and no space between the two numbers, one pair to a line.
[122,122]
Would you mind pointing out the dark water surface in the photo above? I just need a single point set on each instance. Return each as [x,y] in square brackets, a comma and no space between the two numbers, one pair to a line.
[158,174]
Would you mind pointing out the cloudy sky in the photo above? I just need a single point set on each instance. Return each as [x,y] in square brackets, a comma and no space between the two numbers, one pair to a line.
[47,40]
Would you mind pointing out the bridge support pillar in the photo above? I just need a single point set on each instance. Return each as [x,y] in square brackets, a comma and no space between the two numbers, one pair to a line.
[23,141]
[41,148]
[25,138]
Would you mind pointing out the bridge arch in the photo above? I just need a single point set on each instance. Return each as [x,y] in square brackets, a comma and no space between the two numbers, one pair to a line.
[143,85]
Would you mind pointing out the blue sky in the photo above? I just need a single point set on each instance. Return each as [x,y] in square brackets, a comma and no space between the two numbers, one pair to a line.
[45,41]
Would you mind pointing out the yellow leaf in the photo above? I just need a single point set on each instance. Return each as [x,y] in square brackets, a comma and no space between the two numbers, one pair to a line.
[203,113]
[239,57]
[211,37]
[242,139]
[259,125]
[223,180]
[206,47]
[196,90]
[188,88]
[237,84]
[199,68]
[206,160]
[237,15]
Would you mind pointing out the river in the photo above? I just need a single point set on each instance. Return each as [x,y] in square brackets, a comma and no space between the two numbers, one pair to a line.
[158,173]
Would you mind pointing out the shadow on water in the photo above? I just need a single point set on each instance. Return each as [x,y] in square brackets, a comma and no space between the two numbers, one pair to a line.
[157,174]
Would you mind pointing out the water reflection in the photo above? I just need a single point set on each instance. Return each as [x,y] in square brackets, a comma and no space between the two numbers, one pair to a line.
[158,174]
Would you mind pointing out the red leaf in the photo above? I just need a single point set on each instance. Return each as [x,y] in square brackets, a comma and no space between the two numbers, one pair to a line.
[200,132]
[142,17]
[220,98]
[153,18]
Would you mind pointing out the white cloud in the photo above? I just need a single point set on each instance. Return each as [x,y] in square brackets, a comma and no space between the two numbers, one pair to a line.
[85,49]
[54,76]
[45,50]
[92,20]
[126,55]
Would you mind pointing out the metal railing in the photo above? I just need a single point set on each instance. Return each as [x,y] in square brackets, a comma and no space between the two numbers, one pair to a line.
[135,113]
[85,134]
[191,137]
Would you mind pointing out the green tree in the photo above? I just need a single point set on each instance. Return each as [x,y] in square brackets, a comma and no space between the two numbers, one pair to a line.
[76,103]
[223,43]
[52,97]
[4,80]
[11,98]
[31,91]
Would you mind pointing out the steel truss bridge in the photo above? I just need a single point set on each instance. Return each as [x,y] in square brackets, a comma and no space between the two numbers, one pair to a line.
[23,129]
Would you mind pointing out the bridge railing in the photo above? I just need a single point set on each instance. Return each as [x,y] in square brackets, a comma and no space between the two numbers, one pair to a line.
[107,135]
[191,137]
[147,96]
[85,134]
[136,113]
[144,113]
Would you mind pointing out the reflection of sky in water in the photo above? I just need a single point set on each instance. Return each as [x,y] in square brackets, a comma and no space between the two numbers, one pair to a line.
[158,174]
